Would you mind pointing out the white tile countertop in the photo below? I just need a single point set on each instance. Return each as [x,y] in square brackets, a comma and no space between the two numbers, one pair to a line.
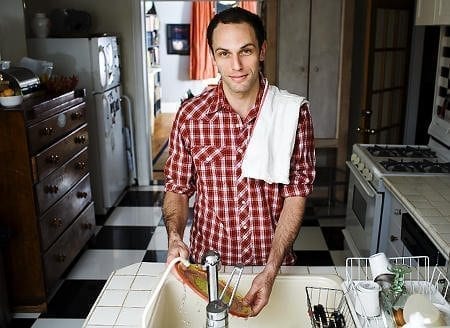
[127,291]
[427,199]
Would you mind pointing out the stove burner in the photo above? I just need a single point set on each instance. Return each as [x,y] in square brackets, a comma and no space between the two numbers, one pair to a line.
[406,151]
[379,151]
[421,166]
[418,152]
[397,166]
[431,167]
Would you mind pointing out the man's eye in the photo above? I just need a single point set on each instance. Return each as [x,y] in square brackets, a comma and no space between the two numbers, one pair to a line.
[223,54]
[247,52]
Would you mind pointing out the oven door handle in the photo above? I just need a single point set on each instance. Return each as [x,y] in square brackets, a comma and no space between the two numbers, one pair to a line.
[364,184]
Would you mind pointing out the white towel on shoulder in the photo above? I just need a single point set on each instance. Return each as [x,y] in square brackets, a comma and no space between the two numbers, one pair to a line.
[269,151]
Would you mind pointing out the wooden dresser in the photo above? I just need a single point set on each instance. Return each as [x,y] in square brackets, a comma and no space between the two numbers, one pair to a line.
[45,193]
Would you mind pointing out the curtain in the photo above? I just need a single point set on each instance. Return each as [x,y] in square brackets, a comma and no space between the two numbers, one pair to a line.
[201,65]
[250,6]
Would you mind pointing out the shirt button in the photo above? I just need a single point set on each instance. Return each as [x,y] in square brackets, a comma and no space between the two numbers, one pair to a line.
[243,202]
[244,227]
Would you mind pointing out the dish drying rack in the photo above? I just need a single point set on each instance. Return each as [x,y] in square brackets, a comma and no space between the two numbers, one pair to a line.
[418,281]
[328,308]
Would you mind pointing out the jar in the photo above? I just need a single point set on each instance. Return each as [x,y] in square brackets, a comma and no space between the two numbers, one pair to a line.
[40,25]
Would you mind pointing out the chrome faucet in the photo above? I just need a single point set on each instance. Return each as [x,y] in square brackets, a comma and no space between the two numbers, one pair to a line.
[217,310]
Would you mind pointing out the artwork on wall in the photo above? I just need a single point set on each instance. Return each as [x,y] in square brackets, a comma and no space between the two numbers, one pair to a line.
[178,42]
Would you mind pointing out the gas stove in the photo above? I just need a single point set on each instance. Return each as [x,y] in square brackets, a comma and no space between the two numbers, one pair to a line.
[375,161]
[369,203]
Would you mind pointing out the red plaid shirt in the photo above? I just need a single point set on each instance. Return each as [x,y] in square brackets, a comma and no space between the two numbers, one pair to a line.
[233,215]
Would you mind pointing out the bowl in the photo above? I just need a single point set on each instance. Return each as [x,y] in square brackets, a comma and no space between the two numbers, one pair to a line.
[11,101]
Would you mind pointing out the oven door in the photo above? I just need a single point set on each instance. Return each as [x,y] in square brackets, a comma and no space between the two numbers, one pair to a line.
[363,216]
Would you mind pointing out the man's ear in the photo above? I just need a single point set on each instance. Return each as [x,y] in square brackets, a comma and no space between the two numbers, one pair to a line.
[262,52]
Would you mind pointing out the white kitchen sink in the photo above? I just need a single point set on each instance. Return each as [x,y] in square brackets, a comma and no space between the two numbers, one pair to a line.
[179,307]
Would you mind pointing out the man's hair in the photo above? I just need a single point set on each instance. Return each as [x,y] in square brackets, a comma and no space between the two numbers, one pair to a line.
[237,15]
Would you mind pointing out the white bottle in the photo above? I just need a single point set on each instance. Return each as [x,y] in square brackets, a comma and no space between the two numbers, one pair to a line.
[40,25]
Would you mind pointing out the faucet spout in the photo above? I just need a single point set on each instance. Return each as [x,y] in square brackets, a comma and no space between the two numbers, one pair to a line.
[217,310]
[211,263]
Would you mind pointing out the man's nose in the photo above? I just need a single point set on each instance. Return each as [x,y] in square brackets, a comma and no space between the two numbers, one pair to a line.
[236,62]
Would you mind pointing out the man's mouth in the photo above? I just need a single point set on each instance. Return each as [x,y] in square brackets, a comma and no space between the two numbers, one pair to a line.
[238,78]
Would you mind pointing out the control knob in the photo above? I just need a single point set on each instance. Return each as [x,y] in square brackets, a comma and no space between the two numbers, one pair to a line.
[355,159]
[360,166]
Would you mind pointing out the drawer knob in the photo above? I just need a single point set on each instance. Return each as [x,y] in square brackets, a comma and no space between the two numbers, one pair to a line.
[87,225]
[61,257]
[53,159]
[82,194]
[80,139]
[80,165]
[47,131]
[56,222]
[394,238]
[51,189]
[76,116]
[397,211]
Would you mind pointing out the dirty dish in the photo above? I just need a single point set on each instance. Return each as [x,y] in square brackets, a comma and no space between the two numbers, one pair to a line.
[197,280]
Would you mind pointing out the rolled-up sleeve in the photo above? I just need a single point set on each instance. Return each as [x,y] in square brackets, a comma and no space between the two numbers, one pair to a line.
[179,169]
[302,171]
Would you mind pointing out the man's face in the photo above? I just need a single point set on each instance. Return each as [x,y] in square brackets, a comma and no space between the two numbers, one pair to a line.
[237,56]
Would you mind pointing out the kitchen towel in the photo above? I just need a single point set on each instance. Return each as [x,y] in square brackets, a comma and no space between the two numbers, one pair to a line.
[269,151]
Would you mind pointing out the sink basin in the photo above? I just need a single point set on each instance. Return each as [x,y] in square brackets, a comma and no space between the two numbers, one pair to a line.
[179,307]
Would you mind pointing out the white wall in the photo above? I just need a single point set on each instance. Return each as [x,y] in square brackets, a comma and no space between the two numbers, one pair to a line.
[175,68]
[12,31]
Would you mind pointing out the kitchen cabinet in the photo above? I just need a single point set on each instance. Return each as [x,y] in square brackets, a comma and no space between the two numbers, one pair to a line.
[433,12]
[309,58]
[45,193]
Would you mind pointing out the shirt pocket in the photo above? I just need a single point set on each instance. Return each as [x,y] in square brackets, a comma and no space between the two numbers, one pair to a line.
[209,156]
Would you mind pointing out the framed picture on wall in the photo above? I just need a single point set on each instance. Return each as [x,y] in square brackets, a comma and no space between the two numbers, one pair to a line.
[178,42]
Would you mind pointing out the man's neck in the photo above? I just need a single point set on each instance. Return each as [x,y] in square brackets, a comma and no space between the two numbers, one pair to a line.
[242,103]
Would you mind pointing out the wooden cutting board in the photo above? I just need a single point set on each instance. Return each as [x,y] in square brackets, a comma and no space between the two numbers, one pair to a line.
[196,278]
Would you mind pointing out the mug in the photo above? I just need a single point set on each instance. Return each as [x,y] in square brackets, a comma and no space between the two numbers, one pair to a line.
[367,302]
[379,264]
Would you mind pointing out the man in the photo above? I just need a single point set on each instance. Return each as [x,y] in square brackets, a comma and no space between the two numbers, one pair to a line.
[247,220]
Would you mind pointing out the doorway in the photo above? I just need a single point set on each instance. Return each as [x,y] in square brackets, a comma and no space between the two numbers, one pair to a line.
[381,55]
[167,74]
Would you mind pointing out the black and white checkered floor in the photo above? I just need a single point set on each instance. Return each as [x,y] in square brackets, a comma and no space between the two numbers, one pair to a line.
[134,231]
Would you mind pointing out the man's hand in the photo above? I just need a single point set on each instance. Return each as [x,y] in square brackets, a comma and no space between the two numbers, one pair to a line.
[258,295]
[176,248]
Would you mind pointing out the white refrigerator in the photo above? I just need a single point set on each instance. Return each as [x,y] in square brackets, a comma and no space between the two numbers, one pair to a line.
[95,60]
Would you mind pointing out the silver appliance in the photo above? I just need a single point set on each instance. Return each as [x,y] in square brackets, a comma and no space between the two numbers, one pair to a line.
[95,60]
[21,78]
[368,205]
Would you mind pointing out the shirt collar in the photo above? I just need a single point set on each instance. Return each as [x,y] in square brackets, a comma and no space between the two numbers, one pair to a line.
[222,103]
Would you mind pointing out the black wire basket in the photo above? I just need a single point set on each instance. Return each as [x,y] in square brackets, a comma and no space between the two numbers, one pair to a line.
[328,308]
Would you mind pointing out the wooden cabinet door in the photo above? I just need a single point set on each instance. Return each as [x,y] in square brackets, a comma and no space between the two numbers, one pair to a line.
[425,12]
[293,51]
[324,58]
[442,12]
[309,57]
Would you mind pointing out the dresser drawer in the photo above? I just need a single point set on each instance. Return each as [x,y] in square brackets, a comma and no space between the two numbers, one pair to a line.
[50,159]
[56,126]
[62,214]
[67,247]
[53,187]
